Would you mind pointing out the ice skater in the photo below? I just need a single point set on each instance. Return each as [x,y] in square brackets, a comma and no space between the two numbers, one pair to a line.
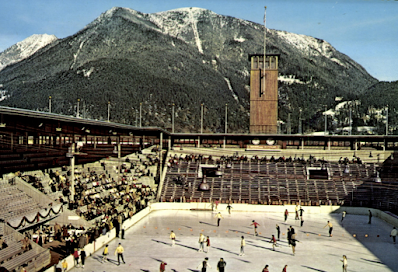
[105,254]
[229,207]
[344,260]
[292,232]
[343,214]
[297,212]
[162,267]
[393,234]
[83,256]
[207,244]
[370,217]
[255,224]
[330,225]
[76,257]
[123,231]
[64,265]
[286,214]
[242,246]
[273,241]
[119,252]
[173,238]
[202,239]
[221,265]
[204,265]
[278,231]
[218,216]
[289,237]
[293,243]
[301,210]
[216,203]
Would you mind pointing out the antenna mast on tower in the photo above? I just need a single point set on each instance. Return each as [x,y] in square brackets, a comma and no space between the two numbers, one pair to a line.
[265,34]
[262,90]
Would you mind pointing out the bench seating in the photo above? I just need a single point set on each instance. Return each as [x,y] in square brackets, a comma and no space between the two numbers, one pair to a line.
[10,251]
[20,259]
[266,182]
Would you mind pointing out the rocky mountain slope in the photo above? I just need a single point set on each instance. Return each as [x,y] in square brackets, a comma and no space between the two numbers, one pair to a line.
[188,57]
[24,49]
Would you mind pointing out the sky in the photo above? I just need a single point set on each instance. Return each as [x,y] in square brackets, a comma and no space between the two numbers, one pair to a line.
[364,30]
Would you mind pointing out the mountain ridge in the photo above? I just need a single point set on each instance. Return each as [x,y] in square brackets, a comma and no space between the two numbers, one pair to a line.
[198,57]
[25,48]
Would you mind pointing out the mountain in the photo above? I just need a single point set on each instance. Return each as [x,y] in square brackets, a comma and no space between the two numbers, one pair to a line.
[24,49]
[186,57]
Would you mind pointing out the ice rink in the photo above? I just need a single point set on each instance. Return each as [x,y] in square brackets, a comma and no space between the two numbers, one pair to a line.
[368,247]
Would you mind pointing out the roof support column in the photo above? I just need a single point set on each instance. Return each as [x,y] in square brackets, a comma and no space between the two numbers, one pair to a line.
[352,145]
[72,176]
[61,140]
[160,156]
[356,145]
[26,140]
[12,141]
[143,142]
[119,148]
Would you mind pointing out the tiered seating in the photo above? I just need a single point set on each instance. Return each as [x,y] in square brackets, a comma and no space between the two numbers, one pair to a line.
[104,185]
[15,202]
[258,181]
[14,248]
[27,157]
[20,197]
[15,255]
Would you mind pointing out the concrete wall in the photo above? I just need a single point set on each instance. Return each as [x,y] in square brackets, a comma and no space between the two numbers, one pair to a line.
[391,219]
[241,207]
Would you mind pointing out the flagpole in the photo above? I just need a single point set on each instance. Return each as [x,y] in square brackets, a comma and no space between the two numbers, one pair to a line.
[265,36]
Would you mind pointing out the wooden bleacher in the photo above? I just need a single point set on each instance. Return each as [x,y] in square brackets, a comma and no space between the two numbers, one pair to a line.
[15,202]
[265,182]
[13,257]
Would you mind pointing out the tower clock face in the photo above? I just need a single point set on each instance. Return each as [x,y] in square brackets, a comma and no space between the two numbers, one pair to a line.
[256,141]
[270,141]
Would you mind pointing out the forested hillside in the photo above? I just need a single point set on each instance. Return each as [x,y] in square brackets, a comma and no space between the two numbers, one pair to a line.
[185,57]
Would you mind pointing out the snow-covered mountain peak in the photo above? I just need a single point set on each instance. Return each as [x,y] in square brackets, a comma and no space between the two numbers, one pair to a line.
[34,43]
[181,20]
[193,10]
[111,13]
[25,48]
